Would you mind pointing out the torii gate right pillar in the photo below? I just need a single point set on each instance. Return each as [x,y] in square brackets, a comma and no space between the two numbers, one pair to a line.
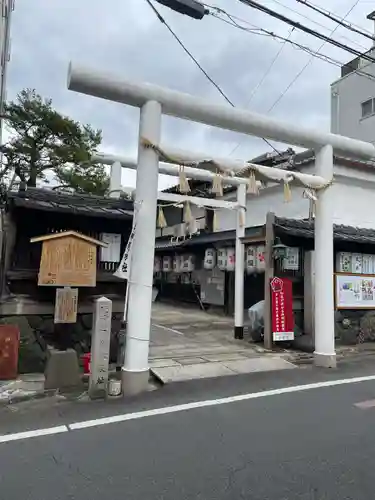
[324,353]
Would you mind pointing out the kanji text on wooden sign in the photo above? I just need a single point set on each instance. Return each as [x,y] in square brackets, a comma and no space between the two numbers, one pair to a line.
[68,259]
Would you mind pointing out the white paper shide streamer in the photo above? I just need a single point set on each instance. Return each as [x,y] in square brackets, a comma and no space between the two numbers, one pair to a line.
[123,270]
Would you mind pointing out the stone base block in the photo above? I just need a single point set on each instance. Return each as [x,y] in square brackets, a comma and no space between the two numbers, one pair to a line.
[238,332]
[325,360]
[134,382]
[62,370]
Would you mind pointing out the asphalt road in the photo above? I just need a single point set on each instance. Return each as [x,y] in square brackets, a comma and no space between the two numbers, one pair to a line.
[308,445]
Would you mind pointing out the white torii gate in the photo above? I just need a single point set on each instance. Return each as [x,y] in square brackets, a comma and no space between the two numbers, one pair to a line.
[155,101]
[119,162]
[229,165]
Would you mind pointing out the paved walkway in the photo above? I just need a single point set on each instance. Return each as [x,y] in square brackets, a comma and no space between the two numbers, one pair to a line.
[187,343]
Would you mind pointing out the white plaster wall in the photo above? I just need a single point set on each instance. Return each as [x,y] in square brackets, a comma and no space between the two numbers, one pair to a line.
[270,200]
[198,212]
[354,206]
[353,195]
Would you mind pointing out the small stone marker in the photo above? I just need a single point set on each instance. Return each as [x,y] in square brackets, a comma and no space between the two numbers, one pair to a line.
[100,343]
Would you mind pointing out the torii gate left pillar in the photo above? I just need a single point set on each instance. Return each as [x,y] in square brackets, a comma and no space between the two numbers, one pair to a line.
[135,372]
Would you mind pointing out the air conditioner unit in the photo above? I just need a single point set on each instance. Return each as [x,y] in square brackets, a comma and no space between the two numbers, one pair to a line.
[180,230]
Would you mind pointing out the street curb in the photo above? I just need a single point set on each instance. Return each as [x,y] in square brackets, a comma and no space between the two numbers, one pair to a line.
[157,382]
[28,397]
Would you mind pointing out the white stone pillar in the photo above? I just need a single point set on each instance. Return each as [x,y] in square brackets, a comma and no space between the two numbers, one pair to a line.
[324,291]
[115,180]
[135,371]
[100,345]
[239,264]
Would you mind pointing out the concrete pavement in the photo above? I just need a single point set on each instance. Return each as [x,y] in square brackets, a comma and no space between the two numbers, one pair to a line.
[310,445]
[187,343]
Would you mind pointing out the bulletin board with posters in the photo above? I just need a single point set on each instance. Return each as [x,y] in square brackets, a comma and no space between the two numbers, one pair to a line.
[353,291]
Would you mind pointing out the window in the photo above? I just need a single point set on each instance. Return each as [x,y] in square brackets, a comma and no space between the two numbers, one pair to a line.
[367,108]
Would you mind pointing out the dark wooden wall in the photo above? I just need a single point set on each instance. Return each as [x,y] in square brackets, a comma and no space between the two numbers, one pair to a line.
[25,259]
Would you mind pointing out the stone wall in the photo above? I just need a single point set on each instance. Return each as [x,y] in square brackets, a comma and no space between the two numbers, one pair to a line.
[355,326]
[39,332]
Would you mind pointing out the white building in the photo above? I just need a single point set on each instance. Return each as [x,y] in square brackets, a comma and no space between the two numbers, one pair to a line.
[353,98]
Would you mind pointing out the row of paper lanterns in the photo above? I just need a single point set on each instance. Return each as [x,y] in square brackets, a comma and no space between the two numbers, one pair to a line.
[176,264]
[223,258]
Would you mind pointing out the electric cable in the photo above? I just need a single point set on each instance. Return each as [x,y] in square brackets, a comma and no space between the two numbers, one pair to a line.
[306,29]
[175,36]
[337,20]
[303,69]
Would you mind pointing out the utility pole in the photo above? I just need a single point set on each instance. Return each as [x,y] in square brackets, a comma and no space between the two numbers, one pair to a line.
[7,8]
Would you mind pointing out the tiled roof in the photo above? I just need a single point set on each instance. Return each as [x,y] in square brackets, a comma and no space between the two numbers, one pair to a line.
[305,229]
[88,205]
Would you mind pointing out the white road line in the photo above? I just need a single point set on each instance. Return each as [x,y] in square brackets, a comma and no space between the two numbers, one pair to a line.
[364,405]
[177,408]
[213,402]
[31,434]
[168,329]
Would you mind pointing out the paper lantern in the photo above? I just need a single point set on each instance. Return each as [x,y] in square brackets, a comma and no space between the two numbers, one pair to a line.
[209,258]
[344,262]
[357,262]
[157,264]
[222,259]
[231,259]
[188,264]
[176,264]
[367,264]
[167,264]
[260,258]
[251,260]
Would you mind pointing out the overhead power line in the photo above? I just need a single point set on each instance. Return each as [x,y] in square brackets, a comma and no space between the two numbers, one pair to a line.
[303,69]
[337,20]
[235,21]
[178,40]
[306,29]
[211,80]
[317,23]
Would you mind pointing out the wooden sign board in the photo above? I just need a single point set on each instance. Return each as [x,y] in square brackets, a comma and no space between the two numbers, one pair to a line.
[68,259]
[66,305]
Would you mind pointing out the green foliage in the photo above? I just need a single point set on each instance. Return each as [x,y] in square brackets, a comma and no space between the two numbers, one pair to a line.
[43,141]
[85,178]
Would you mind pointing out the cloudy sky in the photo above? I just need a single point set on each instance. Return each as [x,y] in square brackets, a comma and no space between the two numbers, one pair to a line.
[125,37]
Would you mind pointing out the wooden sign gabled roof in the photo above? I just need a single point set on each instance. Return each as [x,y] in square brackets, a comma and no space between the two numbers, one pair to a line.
[64,234]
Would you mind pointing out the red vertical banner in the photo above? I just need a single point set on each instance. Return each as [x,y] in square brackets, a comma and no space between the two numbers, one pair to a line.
[282,309]
[9,344]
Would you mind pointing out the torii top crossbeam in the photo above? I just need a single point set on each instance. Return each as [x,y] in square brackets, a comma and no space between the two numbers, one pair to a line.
[98,84]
